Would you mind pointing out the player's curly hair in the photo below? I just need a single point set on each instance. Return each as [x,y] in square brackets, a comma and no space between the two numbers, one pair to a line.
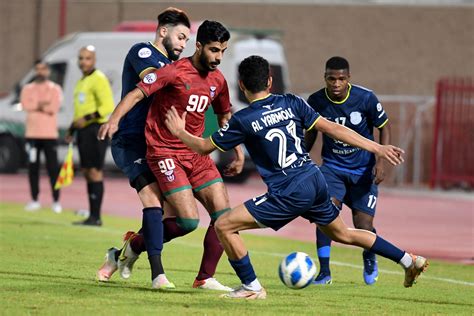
[173,16]
[337,63]
[254,71]
[212,31]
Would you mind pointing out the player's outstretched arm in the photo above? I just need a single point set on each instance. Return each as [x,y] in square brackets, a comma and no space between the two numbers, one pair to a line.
[128,102]
[176,125]
[391,153]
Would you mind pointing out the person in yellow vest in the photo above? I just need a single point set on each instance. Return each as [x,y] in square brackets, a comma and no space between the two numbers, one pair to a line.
[93,102]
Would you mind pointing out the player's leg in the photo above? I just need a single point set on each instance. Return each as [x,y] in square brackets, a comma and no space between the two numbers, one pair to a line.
[363,195]
[213,196]
[267,210]
[209,189]
[364,221]
[413,265]
[325,214]
[227,227]
[33,174]
[152,229]
[171,172]
[52,166]
[131,164]
[129,153]
[337,190]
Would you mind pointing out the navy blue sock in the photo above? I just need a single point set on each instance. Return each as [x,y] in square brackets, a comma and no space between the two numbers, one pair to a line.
[244,269]
[387,250]
[367,254]
[152,229]
[323,247]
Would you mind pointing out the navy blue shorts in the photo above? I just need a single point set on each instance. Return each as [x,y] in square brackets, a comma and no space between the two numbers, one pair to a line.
[358,192]
[307,197]
[129,151]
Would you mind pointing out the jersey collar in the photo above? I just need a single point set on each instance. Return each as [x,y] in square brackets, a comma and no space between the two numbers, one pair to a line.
[260,99]
[338,102]
[90,73]
[159,50]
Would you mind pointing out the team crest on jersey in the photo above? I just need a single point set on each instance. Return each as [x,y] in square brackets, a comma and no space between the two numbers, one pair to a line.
[144,52]
[170,175]
[356,118]
[150,78]
[213,91]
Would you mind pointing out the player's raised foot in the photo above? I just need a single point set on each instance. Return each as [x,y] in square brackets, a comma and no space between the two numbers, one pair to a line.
[162,283]
[419,265]
[247,294]
[322,279]
[371,271]
[210,284]
[127,256]
[33,206]
[109,266]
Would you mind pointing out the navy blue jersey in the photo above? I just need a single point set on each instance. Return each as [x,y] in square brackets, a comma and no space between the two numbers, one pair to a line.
[272,130]
[360,111]
[141,57]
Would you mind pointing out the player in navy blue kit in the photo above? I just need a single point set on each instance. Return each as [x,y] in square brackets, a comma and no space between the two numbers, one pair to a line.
[129,149]
[352,174]
[272,129]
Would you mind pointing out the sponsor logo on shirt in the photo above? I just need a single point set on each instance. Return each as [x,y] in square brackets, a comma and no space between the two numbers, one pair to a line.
[150,78]
[187,86]
[144,52]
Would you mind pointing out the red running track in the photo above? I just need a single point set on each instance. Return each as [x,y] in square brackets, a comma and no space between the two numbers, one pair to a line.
[435,224]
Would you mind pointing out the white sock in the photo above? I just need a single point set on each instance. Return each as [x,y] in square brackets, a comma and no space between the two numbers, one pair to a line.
[406,261]
[253,286]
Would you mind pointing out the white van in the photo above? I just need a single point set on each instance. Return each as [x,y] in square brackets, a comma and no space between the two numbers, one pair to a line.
[111,48]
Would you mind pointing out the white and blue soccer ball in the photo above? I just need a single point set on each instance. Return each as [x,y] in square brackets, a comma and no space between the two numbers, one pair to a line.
[297,270]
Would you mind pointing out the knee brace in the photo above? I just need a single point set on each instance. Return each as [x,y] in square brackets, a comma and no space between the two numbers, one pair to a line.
[187,224]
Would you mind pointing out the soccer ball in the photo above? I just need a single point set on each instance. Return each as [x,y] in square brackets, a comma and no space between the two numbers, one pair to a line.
[297,270]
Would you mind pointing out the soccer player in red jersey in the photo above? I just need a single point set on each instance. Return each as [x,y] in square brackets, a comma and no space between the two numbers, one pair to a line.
[191,85]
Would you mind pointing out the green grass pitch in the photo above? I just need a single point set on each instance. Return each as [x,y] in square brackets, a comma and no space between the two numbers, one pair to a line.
[48,266]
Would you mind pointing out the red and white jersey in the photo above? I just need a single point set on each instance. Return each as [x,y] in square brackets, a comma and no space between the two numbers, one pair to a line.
[181,85]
